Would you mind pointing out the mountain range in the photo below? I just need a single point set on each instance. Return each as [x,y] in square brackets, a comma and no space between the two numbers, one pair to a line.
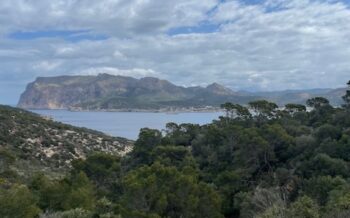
[109,92]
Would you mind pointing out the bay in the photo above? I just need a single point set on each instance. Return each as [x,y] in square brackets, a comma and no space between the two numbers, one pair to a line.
[126,124]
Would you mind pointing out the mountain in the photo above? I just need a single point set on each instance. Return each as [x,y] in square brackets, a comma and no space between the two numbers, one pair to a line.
[335,96]
[39,143]
[119,92]
[300,96]
[109,92]
[218,89]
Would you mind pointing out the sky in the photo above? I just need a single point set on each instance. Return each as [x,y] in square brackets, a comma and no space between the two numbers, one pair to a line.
[254,45]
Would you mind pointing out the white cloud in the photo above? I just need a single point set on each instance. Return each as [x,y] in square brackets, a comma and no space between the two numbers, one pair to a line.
[233,10]
[277,45]
[46,65]
[137,73]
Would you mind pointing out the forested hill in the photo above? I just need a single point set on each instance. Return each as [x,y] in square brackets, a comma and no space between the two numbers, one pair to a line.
[289,163]
[35,143]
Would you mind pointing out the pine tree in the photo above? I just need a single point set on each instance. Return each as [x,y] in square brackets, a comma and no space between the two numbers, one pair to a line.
[346,97]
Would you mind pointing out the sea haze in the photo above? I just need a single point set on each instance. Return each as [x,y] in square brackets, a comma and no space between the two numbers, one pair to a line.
[126,124]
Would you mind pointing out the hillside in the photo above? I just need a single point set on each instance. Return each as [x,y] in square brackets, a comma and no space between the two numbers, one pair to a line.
[118,92]
[287,163]
[38,143]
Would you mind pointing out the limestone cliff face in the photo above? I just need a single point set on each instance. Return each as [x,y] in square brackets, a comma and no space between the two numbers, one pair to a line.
[60,92]
[117,92]
[39,96]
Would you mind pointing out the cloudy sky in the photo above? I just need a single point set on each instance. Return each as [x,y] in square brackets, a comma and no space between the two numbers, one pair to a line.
[243,44]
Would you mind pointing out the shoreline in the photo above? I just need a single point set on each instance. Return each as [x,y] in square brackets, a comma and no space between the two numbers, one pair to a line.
[162,110]
[131,110]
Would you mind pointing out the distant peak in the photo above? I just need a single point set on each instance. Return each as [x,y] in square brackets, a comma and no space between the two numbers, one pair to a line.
[215,85]
[219,89]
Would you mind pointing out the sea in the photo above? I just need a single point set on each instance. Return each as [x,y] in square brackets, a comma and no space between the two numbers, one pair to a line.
[127,124]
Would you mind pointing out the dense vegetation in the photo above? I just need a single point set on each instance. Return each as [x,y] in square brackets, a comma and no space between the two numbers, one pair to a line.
[256,161]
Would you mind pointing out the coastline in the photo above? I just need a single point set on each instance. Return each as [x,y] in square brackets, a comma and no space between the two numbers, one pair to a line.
[168,110]
[161,110]
[208,109]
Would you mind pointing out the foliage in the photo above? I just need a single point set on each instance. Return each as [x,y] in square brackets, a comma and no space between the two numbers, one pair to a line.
[346,97]
[169,193]
[18,201]
[304,207]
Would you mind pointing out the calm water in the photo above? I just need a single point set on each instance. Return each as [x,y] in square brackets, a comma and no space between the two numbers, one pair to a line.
[126,124]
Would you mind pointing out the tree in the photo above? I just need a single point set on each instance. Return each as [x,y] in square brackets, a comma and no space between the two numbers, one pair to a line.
[294,108]
[71,192]
[317,102]
[81,193]
[339,199]
[303,207]
[229,184]
[263,108]
[6,160]
[241,112]
[236,111]
[320,187]
[161,191]
[228,109]
[104,170]
[281,141]
[328,131]
[323,165]
[147,141]
[176,156]
[253,154]
[182,134]
[322,110]
[50,193]
[346,97]
[18,201]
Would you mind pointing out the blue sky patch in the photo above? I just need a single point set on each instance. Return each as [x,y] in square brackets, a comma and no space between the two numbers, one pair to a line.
[200,28]
[72,36]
